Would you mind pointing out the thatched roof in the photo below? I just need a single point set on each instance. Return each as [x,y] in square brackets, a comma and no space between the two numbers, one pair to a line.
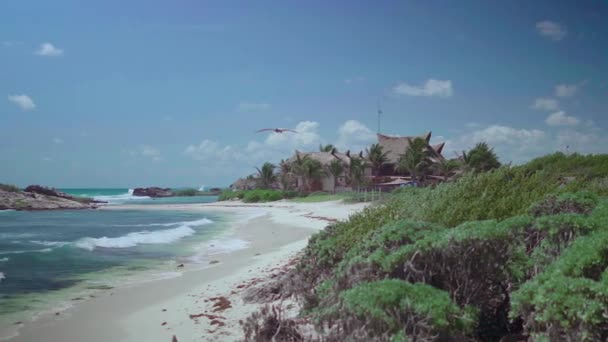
[325,158]
[396,146]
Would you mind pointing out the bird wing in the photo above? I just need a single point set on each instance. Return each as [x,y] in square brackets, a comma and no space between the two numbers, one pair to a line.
[264,129]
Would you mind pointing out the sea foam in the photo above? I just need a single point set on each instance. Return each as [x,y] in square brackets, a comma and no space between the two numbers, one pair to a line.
[121,198]
[144,237]
[2,277]
[3,259]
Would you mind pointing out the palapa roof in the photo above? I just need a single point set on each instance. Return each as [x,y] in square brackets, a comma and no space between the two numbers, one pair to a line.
[325,158]
[396,146]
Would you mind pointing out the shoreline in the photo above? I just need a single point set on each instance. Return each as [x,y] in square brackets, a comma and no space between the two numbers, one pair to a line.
[159,309]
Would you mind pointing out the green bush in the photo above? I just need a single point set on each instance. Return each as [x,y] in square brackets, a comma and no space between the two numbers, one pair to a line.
[259,195]
[9,188]
[569,301]
[391,308]
[229,195]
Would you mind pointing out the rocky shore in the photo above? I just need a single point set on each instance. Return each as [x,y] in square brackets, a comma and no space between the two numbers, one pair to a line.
[37,197]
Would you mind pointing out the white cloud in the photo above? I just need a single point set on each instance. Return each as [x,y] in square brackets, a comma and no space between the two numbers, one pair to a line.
[147,151]
[57,141]
[253,107]
[551,30]
[545,104]
[472,125]
[565,90]
[355,136]
[23,101]
[49,50]
[209,150]
[431,87]
[561,119]
[354,80]
[511,144]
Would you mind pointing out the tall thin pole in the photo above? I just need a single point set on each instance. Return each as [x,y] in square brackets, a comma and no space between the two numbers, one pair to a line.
[379,116]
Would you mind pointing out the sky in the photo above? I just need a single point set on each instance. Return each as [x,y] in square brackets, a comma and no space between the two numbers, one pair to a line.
[170,93]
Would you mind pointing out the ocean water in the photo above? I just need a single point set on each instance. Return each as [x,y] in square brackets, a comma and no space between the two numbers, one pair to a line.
[50,257]
[125,196]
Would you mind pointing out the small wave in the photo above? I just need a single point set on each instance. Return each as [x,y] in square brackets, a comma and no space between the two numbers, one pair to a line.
[194,223]
[6,210]
[121,198]
[3,259]
[136,238]
[50,243]
[226,246]
[2,276]
[44,250]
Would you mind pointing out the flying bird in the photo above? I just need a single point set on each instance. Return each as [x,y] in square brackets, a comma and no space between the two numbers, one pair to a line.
[276,130]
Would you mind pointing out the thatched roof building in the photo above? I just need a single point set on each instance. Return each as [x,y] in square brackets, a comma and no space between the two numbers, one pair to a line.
[396,146]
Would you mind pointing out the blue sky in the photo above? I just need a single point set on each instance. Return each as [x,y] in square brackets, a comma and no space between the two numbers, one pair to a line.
[169,93]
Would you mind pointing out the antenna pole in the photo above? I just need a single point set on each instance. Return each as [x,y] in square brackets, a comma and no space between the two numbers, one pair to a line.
[379,116]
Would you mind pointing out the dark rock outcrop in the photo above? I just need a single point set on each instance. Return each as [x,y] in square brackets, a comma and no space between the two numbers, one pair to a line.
[153,192]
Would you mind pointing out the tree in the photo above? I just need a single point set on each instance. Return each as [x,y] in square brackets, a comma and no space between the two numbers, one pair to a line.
[266,175]
[446,168]
[376,157]
[286,175]
[357,171]
[299,170]
[416,160]
[326,148]
[312,171]
[481,158]
[336,168]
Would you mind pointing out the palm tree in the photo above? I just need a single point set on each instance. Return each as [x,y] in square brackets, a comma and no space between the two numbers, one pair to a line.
[376,157]
[299,170]
[312,171]
[326,148]
[357,170]
[286,175]
[335,169]
[446,168]
[266,175]
[416,160]
[481,158]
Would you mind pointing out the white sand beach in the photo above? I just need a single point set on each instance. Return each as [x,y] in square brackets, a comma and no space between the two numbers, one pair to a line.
[202,304]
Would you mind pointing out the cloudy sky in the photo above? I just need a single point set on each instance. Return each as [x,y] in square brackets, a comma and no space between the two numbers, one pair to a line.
[137,93]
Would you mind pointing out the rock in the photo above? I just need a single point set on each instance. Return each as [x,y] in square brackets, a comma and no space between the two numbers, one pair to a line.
[153,192]
[35,201]
[43,190]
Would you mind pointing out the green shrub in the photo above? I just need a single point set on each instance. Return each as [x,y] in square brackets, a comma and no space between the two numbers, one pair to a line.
[394,307]
[569,301]
[9,188]
[258,195]
[186,192]
[229,195]
[577,203]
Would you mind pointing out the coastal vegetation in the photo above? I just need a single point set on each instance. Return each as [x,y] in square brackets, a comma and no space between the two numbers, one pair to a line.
[501,252]
[9,188]
[190,192]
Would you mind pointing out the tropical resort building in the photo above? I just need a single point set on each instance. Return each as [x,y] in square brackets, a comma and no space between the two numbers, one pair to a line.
[329,182]
[387,175]
[396,146]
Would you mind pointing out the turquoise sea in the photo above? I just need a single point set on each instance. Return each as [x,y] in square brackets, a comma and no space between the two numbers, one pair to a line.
[47,257]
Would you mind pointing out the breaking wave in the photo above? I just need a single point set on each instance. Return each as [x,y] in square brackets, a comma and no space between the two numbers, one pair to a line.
[144,237]
[120,198]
